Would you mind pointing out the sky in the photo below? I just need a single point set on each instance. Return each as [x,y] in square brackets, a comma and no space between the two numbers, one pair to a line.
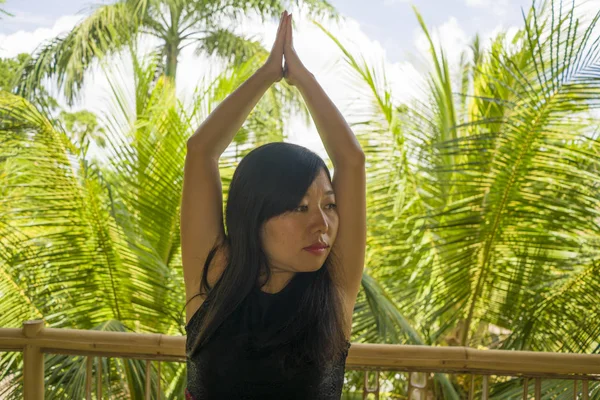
[385,32]
[392,23]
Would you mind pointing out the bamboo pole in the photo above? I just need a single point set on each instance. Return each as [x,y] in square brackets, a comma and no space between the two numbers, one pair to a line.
[33,360]
[485,388]
[88,377]
[472,388]
[9,339]
[99,379]
[362,356]
[481,362]
[158,389]
[584,390]
[367,389]
[538,388]
[119,344]
[148,387]
[525,388]
[417,385]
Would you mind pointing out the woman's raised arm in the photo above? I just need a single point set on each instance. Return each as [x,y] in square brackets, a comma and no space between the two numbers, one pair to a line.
[218,130]
[337,137]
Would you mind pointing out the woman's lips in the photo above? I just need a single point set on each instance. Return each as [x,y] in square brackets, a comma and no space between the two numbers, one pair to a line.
[316,250]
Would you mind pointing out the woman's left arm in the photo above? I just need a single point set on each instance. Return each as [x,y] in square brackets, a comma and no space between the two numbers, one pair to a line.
[339,140]
[348,184]
[349,178]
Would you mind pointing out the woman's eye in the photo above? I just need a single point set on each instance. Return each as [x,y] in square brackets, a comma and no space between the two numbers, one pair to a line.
[303,207]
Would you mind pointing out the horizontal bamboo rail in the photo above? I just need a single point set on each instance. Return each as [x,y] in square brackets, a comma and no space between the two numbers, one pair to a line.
[34,340]
[387,357]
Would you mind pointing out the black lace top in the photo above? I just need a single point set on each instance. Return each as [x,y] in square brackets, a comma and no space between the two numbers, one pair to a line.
[227,367]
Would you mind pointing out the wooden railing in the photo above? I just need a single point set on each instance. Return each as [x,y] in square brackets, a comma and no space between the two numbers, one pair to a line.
[34,340]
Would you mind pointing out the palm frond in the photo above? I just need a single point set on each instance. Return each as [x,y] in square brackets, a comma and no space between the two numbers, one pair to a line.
[231,47]
[67,58]
[3,11]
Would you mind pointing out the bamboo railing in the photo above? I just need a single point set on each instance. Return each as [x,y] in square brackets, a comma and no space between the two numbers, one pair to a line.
[34,340]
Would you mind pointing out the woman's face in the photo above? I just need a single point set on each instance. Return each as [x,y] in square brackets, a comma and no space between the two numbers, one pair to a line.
[316,219]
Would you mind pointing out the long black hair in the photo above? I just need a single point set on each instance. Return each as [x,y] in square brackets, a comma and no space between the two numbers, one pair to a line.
[269,181]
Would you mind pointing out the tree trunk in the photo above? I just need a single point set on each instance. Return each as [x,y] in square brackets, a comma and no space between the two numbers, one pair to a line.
[172,50]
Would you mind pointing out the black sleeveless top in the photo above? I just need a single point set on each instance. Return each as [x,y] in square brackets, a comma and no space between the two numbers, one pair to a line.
[227,367]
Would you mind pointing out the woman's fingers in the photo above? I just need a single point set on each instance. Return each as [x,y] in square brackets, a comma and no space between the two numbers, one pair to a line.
[288,37]
[281,29]
[280,37]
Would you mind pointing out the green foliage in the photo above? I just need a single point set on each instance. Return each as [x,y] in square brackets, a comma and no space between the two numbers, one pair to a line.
[482,198]
[483,205]
[83,125]
[10,71]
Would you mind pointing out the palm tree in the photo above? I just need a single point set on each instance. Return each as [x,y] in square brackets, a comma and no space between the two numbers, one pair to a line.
[483,196]
[483,208]
[176,24]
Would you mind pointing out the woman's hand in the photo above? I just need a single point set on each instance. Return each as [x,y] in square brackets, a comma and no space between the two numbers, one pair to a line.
[273,64]
[293,71]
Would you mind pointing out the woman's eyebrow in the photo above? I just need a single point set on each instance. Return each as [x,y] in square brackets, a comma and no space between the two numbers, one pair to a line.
[327,193]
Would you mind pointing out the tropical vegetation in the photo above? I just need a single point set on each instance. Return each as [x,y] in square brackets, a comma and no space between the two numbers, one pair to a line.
[483,200]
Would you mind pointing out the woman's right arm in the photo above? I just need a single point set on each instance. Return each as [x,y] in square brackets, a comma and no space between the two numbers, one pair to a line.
[202,199]
[218,130]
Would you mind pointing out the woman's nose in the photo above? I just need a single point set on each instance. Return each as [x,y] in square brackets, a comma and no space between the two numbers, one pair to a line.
[320,220]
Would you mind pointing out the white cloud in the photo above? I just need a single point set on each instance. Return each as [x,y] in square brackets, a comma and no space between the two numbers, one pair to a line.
[26,41]
[477,3]
[389,3]
[487,37]
[24,17]
[450,35]
[498,7]
[454,40]
[585,10]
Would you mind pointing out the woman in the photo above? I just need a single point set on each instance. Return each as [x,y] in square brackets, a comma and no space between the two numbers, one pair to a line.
[269,305]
